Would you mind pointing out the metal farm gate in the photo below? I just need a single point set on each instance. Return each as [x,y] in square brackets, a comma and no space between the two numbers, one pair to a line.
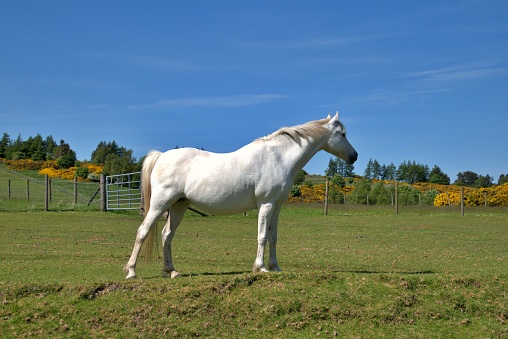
[123,191]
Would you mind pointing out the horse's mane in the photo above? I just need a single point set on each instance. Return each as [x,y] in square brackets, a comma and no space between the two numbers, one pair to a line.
[309,130]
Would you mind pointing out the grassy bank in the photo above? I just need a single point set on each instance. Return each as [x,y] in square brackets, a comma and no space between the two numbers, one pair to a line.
[354,273]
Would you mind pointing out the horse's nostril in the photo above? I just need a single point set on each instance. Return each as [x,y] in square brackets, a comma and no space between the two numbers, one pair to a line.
[353,157]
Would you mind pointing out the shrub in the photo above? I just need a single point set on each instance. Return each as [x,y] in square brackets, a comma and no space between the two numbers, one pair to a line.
[447,199]
[408,195]
[65,161]
[295,191]
[429,196]
[380,194]
[360,192]
[82,172]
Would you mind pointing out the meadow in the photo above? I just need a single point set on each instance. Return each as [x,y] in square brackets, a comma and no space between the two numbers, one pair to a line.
[360,272]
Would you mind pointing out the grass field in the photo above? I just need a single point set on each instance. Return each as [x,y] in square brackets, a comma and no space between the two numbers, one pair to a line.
[357,273]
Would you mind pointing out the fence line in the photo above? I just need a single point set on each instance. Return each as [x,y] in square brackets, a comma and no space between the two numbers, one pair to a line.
[48,191]
[123,192]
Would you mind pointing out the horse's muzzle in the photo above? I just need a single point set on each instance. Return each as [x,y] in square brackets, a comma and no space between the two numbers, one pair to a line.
[352,158]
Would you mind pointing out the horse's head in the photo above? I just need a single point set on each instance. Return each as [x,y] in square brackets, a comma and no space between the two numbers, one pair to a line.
[338,144]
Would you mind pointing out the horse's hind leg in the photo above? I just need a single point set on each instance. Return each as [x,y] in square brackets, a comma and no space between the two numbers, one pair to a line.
[176,213]
[273,265]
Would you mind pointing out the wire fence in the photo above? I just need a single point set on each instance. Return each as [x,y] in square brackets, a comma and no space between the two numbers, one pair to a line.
[32,194]
[123,192]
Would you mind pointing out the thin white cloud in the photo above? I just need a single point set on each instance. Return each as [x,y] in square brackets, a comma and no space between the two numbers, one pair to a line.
[316,43]
[394,97]
[459,73]
[146,61]
[420,85]
[216,101]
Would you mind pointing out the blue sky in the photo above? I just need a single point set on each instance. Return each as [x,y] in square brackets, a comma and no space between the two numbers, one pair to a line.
[424,81]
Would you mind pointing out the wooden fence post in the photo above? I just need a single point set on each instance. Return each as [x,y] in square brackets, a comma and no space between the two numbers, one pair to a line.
[75,191]
[9,188]
[326,197]
[46,193]
[462,200]
[27,189]
[104,206]
[396,197]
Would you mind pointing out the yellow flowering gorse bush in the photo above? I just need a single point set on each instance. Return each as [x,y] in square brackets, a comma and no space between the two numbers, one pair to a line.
[70,173]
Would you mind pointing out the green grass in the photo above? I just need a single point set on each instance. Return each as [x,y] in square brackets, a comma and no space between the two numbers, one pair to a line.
[359,272]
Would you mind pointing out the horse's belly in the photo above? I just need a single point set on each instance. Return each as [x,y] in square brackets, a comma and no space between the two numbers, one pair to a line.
[223,205]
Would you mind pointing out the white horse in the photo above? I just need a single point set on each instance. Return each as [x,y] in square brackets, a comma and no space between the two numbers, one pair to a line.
[259,175]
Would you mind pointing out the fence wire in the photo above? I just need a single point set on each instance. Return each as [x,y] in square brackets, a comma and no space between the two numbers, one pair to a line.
[62,193]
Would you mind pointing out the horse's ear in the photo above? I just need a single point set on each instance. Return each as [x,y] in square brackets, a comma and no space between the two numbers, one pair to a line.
[335,119]
[329,116]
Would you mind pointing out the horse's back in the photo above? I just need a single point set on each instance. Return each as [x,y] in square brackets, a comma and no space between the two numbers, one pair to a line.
[217,183]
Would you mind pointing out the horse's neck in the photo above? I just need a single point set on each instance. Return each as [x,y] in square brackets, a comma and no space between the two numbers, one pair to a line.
[295,156]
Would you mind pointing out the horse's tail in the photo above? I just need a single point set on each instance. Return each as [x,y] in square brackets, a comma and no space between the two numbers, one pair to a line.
[146,188]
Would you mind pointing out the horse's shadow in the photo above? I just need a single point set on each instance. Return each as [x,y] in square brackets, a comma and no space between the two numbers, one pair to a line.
[232,273]
[385,272]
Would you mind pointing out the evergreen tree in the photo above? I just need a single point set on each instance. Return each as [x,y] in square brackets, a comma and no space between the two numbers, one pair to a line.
[64,155]
[15,149]
[332,168]
[49,146]
[340,167]
[125,163]
[466,178]
[483,181]
[5,143]
[344,169]
[36,148]
[368,170]
[389,172]
[376,170]
[437,176]
[104,149]
[502,179]
[411,172]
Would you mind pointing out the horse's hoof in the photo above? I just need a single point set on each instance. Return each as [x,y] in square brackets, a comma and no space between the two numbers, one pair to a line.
[170,274]
[133,276]
[260,269]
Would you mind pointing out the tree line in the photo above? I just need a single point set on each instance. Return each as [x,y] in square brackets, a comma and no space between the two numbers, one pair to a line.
[116,159]
[411,172]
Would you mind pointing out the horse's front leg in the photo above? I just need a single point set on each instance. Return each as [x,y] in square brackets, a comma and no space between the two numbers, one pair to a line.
[264,218]
[273,265]
[175,215]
